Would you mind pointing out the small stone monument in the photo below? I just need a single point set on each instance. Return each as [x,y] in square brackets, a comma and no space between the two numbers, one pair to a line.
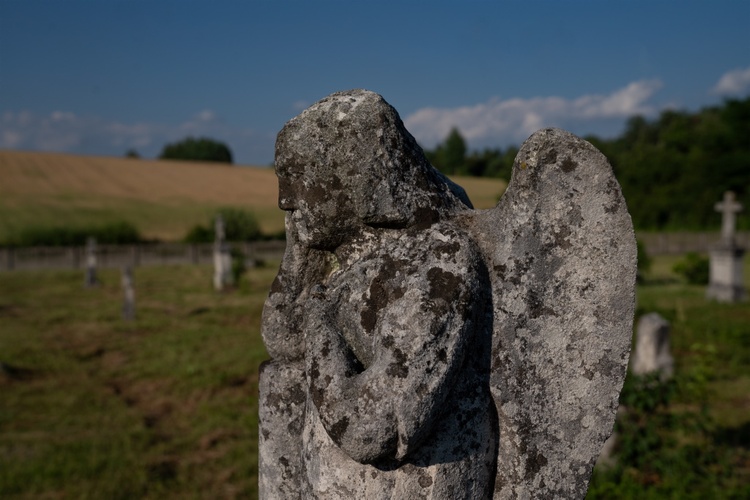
[652,351]
[91,250]
[222,257]
[422,349]
[128,305]
[725,258]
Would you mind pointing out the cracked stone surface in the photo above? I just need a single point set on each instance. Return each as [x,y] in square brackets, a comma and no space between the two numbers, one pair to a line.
[422,349]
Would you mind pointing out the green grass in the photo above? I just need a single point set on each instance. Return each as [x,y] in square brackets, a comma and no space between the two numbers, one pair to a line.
[689,437]
[166,406]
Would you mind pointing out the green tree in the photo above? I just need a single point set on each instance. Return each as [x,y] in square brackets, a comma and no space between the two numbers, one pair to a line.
[450,156]
[200,149]
[454,152]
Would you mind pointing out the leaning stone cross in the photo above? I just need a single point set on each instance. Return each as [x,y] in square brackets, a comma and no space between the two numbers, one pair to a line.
[424,349]
[729,208]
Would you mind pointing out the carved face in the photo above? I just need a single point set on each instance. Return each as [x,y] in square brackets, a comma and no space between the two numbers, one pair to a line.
[321,208]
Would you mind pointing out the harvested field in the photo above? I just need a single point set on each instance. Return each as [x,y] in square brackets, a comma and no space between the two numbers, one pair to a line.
[163,199]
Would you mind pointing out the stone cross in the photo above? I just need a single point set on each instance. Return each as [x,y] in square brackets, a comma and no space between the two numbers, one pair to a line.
[128,305]
[729,209]
[422,349]
[222,258]
[726,276]
[91,261]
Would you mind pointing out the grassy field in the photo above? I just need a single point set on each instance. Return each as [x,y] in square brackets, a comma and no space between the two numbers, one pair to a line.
[166,407]
[163,199]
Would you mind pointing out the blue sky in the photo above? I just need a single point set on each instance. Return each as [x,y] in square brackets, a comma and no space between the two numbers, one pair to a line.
[102,76]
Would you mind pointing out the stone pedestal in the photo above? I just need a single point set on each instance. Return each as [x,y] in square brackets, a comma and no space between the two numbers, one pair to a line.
[725,271]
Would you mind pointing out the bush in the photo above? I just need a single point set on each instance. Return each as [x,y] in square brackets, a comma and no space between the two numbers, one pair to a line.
[239,225]
[114,233]
[238,265]
[199,234]
[694,268]
[652,454]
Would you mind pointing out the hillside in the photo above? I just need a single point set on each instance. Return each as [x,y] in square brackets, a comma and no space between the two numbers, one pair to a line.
[163,199]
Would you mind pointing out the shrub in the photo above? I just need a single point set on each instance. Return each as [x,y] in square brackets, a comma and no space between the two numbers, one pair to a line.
[694,268]
[239,225]
[199,234]
[119,232]
[238,265]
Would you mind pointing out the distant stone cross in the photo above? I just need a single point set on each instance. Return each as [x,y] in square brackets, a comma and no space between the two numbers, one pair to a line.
[128,305]
[91,278]
[222,259]
[729,209]
[219,229]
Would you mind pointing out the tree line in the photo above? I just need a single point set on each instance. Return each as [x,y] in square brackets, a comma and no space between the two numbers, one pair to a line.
[672,169]
[192,149]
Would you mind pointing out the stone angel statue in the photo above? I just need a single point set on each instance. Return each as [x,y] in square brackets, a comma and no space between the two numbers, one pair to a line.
[424,349]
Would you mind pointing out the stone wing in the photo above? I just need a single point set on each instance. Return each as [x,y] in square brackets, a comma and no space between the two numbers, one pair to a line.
[561,252]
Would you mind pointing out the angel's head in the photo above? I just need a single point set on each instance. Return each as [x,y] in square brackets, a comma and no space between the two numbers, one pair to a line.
[348,162]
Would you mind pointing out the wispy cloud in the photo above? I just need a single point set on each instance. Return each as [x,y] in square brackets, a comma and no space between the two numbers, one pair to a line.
[513,120]
[733,82]
[68,132]
[299,106]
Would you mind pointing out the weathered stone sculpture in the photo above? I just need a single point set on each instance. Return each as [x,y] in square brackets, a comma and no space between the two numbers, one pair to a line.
[422,349]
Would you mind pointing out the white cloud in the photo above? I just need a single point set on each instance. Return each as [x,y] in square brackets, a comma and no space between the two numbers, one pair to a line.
[734,82]
[300,105]
[513,120]
[68,132]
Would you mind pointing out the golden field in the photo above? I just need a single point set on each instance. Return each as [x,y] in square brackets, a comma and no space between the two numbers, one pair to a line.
[163,199]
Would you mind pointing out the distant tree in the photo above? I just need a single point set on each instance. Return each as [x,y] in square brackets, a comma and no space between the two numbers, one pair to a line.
[454,151]
[450,156]
[200,149]
[672,169]
[132,153]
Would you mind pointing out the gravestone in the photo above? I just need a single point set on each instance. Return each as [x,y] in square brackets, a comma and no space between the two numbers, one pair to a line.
[652,347]
[725,258]
[128,305]
[423,349]
[91,261]
[222,257]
